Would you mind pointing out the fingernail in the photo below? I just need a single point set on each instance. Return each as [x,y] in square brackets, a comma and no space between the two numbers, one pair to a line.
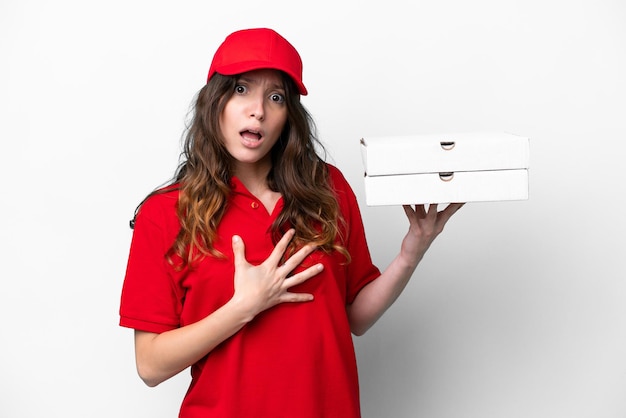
[236,238]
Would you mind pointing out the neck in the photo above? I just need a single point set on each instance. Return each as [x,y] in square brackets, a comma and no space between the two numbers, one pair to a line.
[254,177]
[255,180]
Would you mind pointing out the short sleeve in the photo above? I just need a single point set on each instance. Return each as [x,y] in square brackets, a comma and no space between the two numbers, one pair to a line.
[151,301]
[360,270]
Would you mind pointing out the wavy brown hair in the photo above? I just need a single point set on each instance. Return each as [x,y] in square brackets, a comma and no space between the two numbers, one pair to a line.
[298,173]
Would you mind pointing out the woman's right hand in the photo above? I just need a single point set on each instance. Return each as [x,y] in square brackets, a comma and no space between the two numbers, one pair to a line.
[261,287]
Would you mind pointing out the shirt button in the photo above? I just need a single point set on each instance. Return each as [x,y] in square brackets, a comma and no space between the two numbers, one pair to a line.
[254,205]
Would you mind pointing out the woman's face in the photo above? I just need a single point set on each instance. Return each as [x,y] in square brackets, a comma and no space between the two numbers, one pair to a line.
[253,118]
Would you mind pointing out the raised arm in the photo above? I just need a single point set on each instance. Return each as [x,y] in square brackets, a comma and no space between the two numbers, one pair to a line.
[377,296]
[257,288]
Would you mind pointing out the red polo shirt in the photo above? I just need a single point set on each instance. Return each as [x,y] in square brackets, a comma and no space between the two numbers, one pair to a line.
[293,360]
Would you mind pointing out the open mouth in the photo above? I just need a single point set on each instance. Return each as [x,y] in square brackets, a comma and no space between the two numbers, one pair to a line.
[250,135]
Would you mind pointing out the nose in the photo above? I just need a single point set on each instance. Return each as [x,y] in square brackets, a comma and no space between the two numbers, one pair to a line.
[257,107]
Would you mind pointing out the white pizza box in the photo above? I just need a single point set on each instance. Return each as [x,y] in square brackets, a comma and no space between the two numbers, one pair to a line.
[445,168]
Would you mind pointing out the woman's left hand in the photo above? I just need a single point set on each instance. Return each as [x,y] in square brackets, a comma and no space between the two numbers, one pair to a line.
[378,295]
[424,226]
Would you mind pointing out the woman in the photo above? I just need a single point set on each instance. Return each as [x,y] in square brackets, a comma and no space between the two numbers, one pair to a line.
[252,266]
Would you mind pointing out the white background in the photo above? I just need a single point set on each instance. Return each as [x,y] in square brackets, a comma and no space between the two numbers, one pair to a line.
[517,310]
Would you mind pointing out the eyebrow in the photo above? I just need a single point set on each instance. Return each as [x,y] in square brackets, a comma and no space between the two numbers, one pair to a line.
[249,80]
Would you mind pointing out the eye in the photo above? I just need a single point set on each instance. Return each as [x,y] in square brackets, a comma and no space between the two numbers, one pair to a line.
[277,98]
[240,89]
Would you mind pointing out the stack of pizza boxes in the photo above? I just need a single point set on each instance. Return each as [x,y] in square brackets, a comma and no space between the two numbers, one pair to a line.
[445,168]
